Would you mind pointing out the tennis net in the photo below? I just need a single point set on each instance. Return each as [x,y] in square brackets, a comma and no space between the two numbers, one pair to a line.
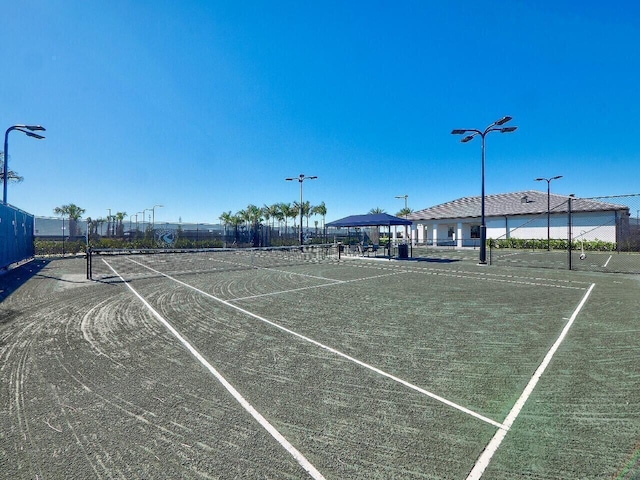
[188,261]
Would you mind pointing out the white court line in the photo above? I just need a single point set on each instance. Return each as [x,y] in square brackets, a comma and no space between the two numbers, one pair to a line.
[333,350]
[483,461]
[607,262]
[335,282]
[302,461]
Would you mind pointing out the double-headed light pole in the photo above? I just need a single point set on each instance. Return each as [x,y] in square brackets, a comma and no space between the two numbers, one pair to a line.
[28,131]
[301,178]
[548,180]
[472,132]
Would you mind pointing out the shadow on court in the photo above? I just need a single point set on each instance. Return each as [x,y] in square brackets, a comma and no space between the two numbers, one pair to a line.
[13,279]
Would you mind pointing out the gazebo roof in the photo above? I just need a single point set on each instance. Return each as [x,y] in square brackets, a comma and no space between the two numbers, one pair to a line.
[370,220]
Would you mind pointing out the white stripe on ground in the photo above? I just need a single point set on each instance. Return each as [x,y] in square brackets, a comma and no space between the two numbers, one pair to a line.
[332,350]
[607,262]
[335,282]
[483,461]
[302,461]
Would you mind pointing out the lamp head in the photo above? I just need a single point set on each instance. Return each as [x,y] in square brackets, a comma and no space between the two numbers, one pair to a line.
[34,135]
[508,129]
[503,120]
[467,138]
[458,131]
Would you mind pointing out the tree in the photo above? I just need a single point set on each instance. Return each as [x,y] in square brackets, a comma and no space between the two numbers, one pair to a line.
[119,226]
[404,212]
[322,211]
[253,216]
[376,210]
[74,213]
[226,219]
[286,211]
[306,211]
[11,175]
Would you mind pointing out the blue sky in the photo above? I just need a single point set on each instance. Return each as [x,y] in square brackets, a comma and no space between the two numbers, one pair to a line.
[206,107]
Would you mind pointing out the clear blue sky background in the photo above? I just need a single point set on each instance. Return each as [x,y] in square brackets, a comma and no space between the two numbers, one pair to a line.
[206,106]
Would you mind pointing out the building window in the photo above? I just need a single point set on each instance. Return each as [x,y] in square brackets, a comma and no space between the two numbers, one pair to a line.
[475,231]
[451,232]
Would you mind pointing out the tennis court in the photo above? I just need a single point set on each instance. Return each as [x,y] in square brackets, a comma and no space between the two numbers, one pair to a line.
[304,365]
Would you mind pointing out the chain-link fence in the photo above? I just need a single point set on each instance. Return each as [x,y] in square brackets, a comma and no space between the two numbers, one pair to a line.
[596,234]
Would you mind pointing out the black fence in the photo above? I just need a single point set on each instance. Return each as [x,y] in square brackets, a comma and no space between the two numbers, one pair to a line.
[16,236]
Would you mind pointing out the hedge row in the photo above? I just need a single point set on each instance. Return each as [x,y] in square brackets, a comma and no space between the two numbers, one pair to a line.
[539,244]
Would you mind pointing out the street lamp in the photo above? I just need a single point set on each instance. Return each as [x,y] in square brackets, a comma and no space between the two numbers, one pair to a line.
[153,215]
[29,133]
[405,196]
[548,180]
[144,210]
[494,127]
[301,178]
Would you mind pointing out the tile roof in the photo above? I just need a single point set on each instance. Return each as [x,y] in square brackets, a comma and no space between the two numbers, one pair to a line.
[516,203]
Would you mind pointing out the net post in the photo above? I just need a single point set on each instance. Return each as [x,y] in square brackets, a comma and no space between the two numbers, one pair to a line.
[89,264]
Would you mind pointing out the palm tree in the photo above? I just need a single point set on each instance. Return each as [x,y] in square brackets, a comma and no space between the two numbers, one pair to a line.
[273,212]
[74,213]
[295,213]
[403,213]
[322,211]
[306,211]
[373,211]
[225,218]
[286,211]
[236,221]
[253,217]
[11,175]
[119,226]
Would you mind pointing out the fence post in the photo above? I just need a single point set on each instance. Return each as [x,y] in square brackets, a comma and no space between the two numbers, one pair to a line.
[89,265]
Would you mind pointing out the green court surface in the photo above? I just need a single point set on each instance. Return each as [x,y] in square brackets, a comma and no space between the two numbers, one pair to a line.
[227,366]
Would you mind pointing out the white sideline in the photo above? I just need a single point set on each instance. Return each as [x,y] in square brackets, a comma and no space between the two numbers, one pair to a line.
[483,461]
[302,461]
[332,350]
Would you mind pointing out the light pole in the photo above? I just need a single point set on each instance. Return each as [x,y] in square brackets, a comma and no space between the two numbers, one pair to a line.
[301,178]
[405,196]
[494,127]
[143,212]
[153,215]
[29,133]
[548,180]
[130,225]
[109,226]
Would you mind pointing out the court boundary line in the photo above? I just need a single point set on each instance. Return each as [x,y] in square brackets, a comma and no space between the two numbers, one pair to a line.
[334,351]
[264,423]
[335,282]
[485,457]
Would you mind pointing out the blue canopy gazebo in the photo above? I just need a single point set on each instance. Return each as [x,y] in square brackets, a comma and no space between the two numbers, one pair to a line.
[371,220]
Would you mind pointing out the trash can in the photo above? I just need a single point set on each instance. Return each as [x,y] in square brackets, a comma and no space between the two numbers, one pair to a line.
[403,250]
